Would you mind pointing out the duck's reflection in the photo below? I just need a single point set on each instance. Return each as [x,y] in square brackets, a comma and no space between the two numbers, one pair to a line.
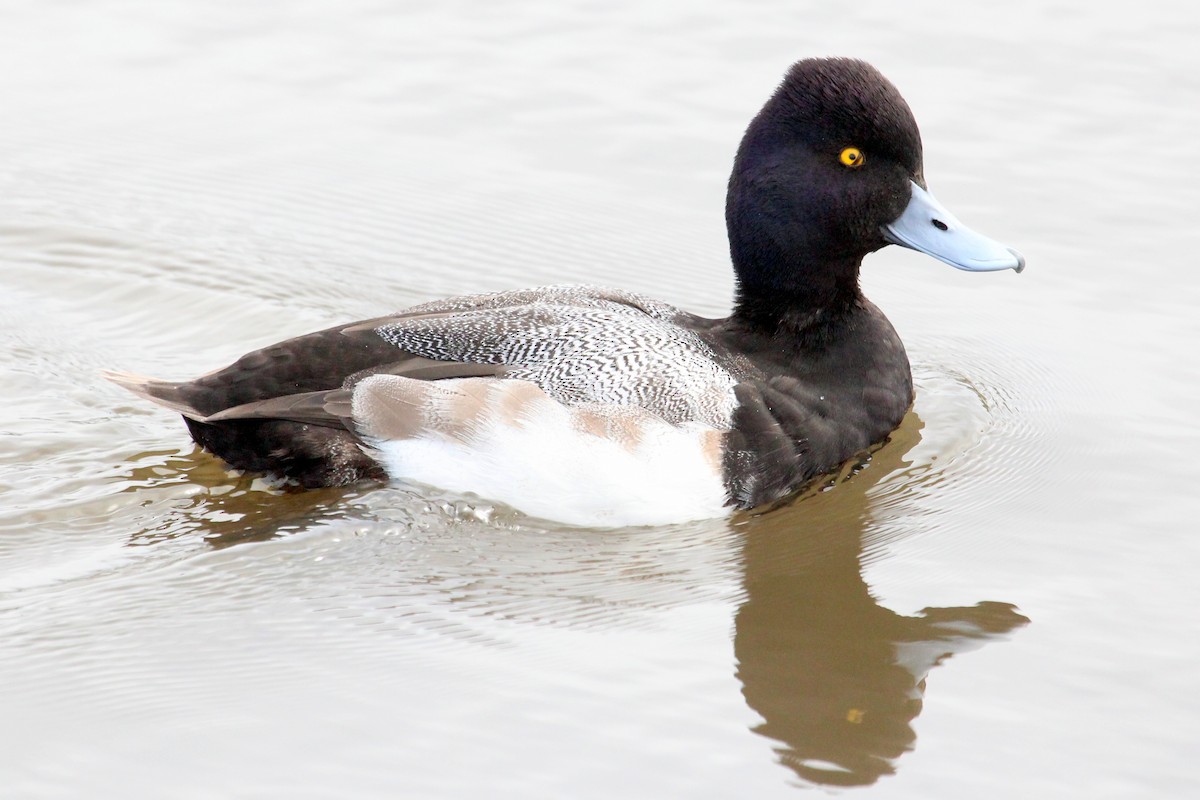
[226,508]
[836,677]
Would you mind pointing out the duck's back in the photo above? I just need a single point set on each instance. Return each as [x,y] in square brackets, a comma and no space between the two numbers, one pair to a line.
[579,344]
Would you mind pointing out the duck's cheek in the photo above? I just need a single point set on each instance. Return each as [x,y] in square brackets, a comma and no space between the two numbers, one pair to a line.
[877,193]
[896,194]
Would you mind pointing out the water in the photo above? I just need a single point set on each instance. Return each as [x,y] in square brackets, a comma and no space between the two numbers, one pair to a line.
[1000,602]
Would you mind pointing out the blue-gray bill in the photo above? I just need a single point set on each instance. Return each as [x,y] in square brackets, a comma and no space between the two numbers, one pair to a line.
[928,227]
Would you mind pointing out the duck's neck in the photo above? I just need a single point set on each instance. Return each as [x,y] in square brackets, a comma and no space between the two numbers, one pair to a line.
[800,308]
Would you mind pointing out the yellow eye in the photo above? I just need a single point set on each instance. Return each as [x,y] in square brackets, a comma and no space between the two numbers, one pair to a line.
[852,157]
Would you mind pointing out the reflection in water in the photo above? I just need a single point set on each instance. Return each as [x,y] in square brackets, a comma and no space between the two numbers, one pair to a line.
[228,508]
[837,677]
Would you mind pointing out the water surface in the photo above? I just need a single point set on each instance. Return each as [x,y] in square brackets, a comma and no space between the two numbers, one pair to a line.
[999,602]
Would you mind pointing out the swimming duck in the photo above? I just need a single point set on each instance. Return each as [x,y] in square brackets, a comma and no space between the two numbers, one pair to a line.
[602,407]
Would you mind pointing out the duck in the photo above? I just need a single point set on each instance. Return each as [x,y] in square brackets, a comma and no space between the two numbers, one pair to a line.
[601,407]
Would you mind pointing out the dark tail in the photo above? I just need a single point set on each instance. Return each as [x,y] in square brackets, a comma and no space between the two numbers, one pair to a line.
[164,393]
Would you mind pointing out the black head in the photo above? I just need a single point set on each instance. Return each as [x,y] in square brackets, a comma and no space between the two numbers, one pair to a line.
[828,161]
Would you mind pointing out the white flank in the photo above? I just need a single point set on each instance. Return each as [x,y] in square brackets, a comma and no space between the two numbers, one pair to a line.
[507,440]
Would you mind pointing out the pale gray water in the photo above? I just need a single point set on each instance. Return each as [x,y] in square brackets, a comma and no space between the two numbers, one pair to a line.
[181,182]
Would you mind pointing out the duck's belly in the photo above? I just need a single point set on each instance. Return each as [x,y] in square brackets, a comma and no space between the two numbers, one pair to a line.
[506,440]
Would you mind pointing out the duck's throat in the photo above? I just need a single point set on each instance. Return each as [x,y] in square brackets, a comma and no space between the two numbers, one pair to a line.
[800,304]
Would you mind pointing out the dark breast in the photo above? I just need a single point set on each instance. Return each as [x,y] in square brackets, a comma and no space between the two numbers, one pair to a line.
[808,405]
